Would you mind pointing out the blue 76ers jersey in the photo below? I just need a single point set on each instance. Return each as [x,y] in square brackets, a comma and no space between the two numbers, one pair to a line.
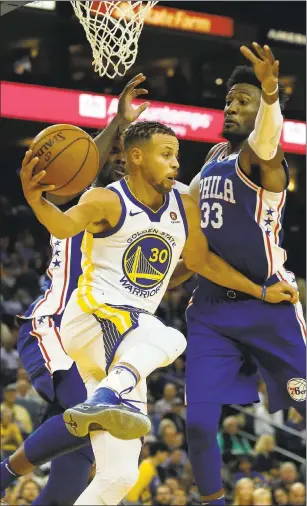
[242,221]
[61,278]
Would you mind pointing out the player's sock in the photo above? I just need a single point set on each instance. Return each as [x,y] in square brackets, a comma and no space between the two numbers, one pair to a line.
[72,470]
[136,363]
[204,453]
[51,440]
[7,475]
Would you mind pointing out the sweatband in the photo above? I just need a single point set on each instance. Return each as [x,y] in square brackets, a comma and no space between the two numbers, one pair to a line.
[265,137]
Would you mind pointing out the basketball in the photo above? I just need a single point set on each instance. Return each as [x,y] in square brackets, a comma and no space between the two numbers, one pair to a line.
[68,155]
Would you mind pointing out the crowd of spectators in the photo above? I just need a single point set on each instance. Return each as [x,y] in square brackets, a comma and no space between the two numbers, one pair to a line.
[255,470]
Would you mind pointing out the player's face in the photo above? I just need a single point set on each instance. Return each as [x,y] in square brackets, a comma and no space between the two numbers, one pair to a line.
[242,104]
[159,162]
[115,167]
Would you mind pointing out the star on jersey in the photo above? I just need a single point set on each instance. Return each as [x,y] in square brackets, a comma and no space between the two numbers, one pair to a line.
[57,243]
[41,320]
[270,212]
[56,253]
[268,222]
[267,232]
[56,263]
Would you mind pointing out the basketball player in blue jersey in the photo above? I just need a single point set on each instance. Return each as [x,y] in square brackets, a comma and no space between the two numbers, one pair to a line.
[135,232]
[241,191]
[53,374]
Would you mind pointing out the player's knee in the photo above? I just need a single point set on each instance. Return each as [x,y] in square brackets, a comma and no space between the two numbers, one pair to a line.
[202,426]
[200,437]
[172,342]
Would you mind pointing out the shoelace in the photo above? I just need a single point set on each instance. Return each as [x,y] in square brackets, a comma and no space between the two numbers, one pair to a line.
[129,404]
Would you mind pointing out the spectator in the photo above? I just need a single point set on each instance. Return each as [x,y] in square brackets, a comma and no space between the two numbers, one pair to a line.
[27,398]
[288,476]
[172,483]
[245,464]
[265,457]
[148,479]
[262,497]
[11,437]
[264,420]
[243,494]
[230,442]
[280,497]
[20,414]
[177,414]
[25,391]
[178,369]
[156,383]
[9,355]
[27,491]
[293,443]
[174,466]
[163,496]
[22,374]
[154,418]
[297,494]
[164,405]
[179,497]
[171,438]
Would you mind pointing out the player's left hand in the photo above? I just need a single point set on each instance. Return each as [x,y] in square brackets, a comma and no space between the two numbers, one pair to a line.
[127,112]
[266,68]
[280,292]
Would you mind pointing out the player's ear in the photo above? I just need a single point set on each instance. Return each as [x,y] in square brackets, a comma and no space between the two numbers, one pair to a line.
[136,155]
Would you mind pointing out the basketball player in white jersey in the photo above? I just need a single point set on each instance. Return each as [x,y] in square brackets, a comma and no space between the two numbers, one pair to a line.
[135,232]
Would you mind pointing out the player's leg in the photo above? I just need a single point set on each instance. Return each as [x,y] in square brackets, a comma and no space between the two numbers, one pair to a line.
[68,478]
[204,453]
[280,351]
[51,439]
[216,374]
[139,351]
[116,460]
[69,388]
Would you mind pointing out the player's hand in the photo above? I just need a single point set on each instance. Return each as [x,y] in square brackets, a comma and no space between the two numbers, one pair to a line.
[266,68]
[280,292]
[127,112]
[30,184]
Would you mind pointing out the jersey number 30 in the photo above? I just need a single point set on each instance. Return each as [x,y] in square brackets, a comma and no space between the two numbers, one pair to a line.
[212,215]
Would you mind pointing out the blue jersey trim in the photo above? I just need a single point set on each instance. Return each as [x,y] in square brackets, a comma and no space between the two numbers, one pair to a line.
[182,212]
[122,218]
[154,216]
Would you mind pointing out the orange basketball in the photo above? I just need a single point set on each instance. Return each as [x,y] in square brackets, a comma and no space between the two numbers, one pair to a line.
[68,155]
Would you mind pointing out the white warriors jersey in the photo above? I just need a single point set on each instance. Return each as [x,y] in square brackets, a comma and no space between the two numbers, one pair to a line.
[132,263]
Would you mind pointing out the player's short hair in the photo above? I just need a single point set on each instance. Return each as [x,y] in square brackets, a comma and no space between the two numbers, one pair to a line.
[157,447]
[143,132]
[245,74]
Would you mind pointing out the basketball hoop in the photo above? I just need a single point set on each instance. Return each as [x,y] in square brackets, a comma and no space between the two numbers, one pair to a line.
[113,29]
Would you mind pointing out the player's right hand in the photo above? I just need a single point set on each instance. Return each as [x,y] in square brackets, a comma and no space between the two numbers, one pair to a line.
[126,110]
[30,184]
[280,292]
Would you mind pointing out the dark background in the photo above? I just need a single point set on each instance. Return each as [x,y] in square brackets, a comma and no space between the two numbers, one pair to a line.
[50,48]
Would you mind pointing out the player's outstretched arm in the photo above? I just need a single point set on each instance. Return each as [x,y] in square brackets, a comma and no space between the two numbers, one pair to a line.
[93,207]
[263,145]
[198,258]
[126,114]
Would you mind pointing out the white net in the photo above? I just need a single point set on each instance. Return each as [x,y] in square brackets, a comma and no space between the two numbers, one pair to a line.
[113,29]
